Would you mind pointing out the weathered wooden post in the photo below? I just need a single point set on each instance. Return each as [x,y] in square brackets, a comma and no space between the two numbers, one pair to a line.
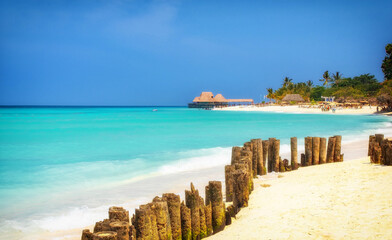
[102,226]
[323,150]
[208,212]
[217,205]
[338,148]
[246,155]
[241,188]
[161,211]
[106,235]
[281,165]
[132,232]
[379,138]
[186,225]
[203,224]
[174,205]
[276,155]
[331,149]
[294,153]
[265,155]
[118,214]
[121,228]
[386,152]
[286,165]
[229,182]
[315,150]
[271,151]
[372,139]
[308,151]
[235,154]
[192,202]
[145,223]
[257,159]
[303,160]
[87,235]
[377,153]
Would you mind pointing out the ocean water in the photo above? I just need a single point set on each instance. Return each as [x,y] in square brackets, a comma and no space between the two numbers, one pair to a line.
[60,168]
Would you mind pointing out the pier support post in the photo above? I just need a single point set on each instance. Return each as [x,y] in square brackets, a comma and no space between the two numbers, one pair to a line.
[235,154]
[241,189]
[145,223]
[118,214]
[271,157]
[276,155]
[208,213]
[294,153]
[87,235]
[257,157]
[303,160]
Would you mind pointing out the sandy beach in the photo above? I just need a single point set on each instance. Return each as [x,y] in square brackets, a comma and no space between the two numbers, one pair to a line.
[297,109]
[347,200]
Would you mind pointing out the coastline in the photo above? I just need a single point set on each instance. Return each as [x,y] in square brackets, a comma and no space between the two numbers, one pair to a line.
[354,151]
[296,109]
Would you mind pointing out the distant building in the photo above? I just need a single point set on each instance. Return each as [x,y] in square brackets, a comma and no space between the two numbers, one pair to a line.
[293,98]
[207,100]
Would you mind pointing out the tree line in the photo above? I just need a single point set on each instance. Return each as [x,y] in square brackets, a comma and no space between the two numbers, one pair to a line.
[362,87]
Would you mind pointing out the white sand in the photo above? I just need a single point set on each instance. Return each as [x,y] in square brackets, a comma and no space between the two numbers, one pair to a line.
[348,200]
[297,109]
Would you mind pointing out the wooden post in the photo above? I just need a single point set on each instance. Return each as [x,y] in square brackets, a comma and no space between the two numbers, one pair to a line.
[281,165]
[145,223]
[386,151]
[315,150]
[192,202]
[257,157]
[331,149]
[303,160]
[174,206]
[121,228]
[186,225]
[118,214]
[271,157]
[294,153]
[229,182]
[106,235]
[87,235]
[308,151]
[276,155]
[102,226]
[241,189]
[217,205]
[372,138]
[323,150]
[161,211]
[379,138]
[338,148]
[203,225]
[235,154]
[265,156]
[208,212]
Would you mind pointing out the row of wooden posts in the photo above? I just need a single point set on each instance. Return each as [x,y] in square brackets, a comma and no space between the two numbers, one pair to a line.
[167,217]
[380,149]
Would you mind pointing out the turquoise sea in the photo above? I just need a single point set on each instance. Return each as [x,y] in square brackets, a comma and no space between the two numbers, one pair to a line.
[60,167]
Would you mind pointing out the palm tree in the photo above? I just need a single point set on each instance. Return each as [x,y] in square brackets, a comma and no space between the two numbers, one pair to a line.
[309,83]
[337,77]
[326,78]
[287,81]
[270,94]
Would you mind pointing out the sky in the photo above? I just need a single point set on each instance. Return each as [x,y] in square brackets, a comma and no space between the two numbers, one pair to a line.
[151,53]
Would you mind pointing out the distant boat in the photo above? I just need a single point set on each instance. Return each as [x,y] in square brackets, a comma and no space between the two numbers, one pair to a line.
[155,110]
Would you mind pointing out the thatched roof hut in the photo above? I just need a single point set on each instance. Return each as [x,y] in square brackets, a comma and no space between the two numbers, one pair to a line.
[293,97]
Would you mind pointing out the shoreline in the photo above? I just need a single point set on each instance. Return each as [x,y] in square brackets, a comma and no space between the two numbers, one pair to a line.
[328,201]
[300,110]
[352,150]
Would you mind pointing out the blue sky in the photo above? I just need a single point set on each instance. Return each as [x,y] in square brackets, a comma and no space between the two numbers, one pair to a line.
[166,52]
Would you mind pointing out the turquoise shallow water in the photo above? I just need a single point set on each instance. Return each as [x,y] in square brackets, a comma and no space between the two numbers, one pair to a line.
[49,156]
